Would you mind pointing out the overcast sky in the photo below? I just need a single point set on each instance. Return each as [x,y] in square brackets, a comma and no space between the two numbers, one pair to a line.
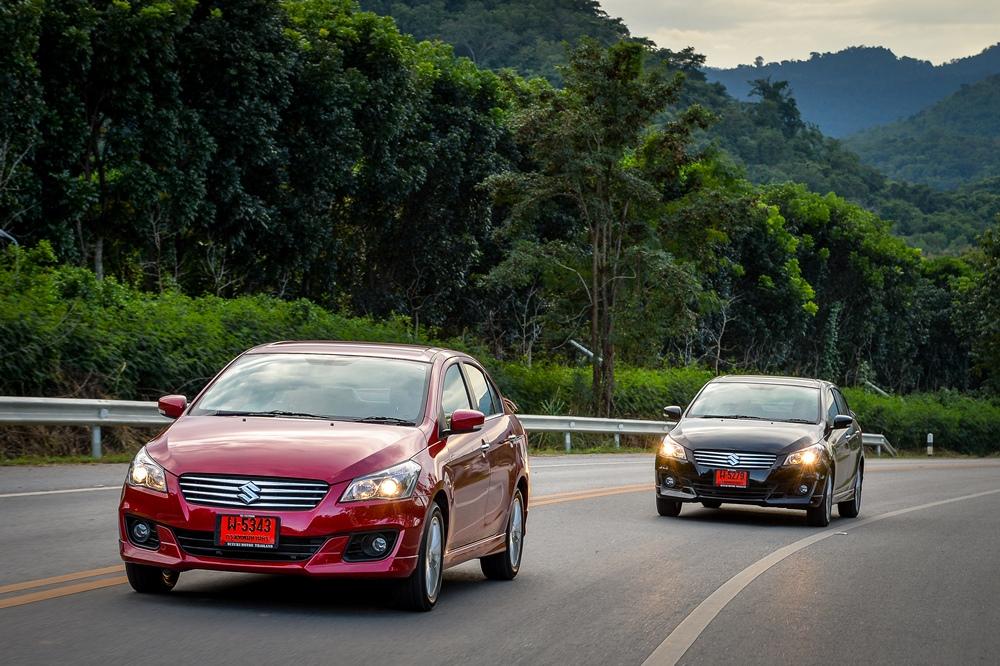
[733,32]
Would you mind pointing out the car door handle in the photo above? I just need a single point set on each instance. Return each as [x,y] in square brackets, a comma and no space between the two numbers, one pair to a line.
[485,446]
[513,439]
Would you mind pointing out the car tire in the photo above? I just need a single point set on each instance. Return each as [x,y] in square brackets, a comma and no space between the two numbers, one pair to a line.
[668,507]
[420,591]
[852,507]
[711,504]
[150,580]
[505,565]
[820,516]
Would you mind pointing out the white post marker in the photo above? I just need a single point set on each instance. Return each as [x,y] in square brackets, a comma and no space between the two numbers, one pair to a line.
[930,443]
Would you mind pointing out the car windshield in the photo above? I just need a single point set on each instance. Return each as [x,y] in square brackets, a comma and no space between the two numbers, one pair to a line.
[766,402]
[327,386]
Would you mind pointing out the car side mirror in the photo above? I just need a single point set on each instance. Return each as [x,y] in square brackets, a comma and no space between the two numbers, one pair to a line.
[172,406]
[466,420]
[672,413]
[842,421]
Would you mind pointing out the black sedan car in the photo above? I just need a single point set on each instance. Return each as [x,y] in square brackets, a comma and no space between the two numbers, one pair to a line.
[766,441]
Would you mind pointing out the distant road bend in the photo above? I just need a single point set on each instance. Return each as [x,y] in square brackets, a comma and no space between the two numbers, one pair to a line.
[604,581]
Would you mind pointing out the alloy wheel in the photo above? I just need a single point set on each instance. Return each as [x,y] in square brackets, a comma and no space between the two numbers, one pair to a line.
[433,558]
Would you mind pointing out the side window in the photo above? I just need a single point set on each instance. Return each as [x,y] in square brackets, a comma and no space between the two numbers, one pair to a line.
[832,410]
[481,393]
[841,403]
[454,395]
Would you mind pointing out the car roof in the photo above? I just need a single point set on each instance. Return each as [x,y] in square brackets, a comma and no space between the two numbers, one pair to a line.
[771,379]
[408,352]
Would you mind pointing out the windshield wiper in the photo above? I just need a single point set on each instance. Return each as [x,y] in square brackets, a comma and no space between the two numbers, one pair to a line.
[735,416]
[798,421]
[384,419]
[273,413]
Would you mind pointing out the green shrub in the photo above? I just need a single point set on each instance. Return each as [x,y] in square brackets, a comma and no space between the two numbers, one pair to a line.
[64,333]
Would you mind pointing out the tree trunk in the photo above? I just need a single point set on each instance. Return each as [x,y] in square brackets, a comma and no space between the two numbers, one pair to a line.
[99,258]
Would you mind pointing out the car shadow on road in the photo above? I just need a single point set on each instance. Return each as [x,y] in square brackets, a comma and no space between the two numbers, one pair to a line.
[745,515]
[295,595]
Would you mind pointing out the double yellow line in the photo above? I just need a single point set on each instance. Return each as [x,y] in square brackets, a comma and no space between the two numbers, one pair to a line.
[105,578]
[63,591]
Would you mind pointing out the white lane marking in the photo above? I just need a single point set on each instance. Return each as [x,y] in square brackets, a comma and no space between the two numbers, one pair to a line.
[60,492]
[670,651]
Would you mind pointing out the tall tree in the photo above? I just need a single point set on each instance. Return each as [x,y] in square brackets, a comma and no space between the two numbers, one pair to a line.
[597,148]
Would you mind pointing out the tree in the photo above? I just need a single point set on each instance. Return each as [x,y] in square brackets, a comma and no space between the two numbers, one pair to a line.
[597,149]
[20,110]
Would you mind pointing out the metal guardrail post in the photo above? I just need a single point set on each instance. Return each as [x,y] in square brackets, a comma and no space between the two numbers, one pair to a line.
[95,441]
[569,442]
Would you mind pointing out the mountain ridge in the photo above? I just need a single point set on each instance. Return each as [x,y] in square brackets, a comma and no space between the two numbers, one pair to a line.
[862,86]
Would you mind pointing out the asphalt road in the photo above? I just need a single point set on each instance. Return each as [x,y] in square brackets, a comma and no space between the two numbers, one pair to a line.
[604,580]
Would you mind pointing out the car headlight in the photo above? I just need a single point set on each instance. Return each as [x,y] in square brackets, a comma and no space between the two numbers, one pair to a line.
[807,456]
[671,449]
[144,472]
[394,483]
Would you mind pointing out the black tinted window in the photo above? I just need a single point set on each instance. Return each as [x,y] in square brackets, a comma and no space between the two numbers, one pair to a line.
[832,410]
[841,403]
[455,395]
[481,393]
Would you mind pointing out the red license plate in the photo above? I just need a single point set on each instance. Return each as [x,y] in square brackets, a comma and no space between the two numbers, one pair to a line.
[731,478]
[247,532]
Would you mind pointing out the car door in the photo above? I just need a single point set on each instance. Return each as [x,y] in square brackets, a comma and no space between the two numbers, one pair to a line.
[466,464]
[500,455]
[854,436]
[839,442]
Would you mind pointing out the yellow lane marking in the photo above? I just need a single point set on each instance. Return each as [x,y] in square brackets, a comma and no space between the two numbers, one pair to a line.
[558,498]
[61,591]
[42,582]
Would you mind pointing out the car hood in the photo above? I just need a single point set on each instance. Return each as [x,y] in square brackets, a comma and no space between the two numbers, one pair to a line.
[745,435]
[301,448]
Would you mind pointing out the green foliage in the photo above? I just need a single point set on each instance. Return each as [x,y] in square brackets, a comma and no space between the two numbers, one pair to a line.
[960,423]
[527,36]
[68,334]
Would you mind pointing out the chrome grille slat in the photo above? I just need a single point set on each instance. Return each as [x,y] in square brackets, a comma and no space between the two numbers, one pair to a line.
[224,491]
[239,481]
[746,460]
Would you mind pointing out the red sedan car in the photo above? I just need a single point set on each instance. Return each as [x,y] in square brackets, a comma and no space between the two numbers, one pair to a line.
[334,460]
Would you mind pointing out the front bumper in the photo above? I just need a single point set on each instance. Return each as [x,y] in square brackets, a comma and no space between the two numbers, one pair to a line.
[776,486]
[311,542]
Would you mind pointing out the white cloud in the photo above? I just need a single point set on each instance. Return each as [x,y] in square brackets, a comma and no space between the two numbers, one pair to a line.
[732,32]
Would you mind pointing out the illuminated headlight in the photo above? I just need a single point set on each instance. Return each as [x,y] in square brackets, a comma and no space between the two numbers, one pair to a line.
[144,472]
[671,449]
[807,456]
[394,483]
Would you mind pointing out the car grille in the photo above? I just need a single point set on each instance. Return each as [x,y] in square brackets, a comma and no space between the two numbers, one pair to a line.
[742,460]
[255,492]
[290,549]
[751,494]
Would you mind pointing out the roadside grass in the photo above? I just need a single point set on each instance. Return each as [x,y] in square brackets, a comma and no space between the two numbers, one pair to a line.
[610,448]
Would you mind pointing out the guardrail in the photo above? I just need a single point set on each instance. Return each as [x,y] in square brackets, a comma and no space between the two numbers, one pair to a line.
[97,413]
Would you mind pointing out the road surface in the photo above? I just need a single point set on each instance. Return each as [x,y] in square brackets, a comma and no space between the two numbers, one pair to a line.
[604,580]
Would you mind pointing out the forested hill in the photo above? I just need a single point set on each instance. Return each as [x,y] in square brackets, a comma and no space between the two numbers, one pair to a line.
[861,87]
[526,35]
[955,141]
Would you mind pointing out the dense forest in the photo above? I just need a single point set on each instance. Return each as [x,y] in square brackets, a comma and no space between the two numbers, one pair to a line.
[861,87]
[761,129]
[305,149]
[952,142]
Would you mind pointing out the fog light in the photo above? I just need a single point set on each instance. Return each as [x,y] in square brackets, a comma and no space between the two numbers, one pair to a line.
[803,489]
[670,482]
[140,532]
[379,544]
